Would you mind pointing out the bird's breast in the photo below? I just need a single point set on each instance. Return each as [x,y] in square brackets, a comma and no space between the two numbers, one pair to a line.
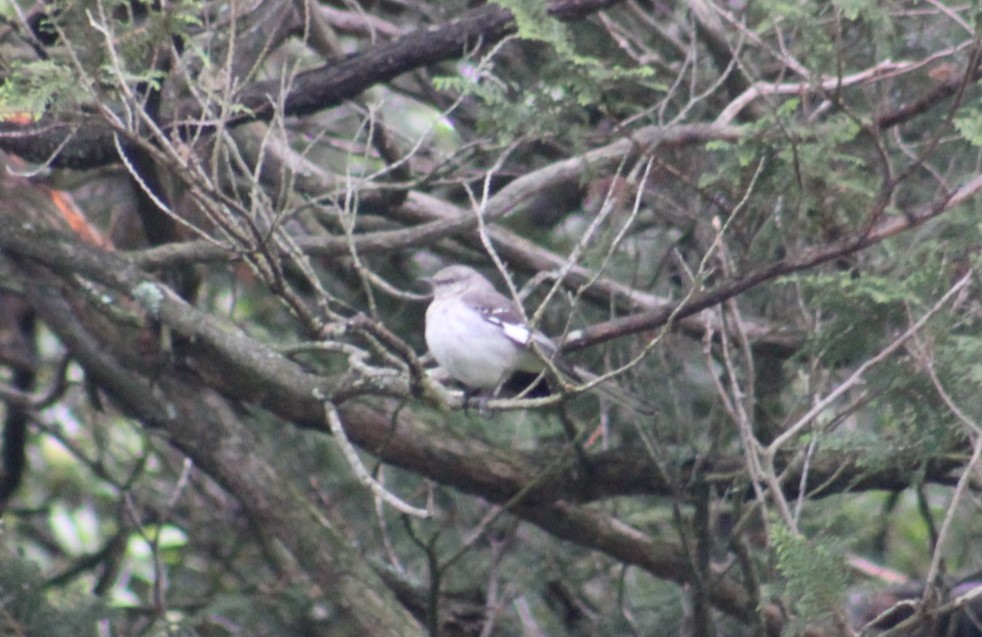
[473,351]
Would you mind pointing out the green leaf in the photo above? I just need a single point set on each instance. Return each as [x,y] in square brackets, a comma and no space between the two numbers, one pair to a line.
[814,573]
[31,87]
[969,124]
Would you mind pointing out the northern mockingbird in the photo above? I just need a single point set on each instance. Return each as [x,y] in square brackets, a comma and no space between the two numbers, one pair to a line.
[479,337]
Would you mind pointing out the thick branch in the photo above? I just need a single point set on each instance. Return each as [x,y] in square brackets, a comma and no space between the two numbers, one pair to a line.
[90,144]
[214,437]
[203,425]
[241,367]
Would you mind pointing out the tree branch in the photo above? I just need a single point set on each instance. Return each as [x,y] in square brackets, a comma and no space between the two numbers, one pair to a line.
[89,143]
[809,258]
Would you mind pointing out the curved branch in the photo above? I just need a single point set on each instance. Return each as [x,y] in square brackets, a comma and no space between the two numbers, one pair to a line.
[311,91]
[250,371]
[818,255]
[218,442]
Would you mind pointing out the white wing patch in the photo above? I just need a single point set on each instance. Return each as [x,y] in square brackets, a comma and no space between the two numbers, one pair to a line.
[518,333]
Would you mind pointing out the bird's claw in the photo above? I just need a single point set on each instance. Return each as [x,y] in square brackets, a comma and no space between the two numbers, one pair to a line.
[480,398]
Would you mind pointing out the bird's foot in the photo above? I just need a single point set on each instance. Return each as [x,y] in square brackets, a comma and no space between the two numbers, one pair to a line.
[480,398]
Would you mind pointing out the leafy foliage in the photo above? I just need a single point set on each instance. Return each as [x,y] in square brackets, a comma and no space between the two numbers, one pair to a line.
[814,575]
[739,211]
[26,608]
[34,87]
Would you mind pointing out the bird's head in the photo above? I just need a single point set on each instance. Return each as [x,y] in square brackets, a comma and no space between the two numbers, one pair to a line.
[455,280]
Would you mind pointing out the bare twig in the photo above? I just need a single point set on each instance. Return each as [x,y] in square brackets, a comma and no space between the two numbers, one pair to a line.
[361,473]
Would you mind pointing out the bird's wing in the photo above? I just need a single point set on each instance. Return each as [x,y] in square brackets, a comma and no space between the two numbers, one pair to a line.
[510,322]
[498,310]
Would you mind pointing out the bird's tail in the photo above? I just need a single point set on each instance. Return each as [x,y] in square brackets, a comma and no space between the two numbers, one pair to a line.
[609,388]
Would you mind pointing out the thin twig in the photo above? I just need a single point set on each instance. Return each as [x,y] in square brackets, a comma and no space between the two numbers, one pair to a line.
[361,473]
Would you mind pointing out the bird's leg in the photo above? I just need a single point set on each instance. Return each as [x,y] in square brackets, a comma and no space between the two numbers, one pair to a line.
[499,386]
[574,438]
[481,398]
